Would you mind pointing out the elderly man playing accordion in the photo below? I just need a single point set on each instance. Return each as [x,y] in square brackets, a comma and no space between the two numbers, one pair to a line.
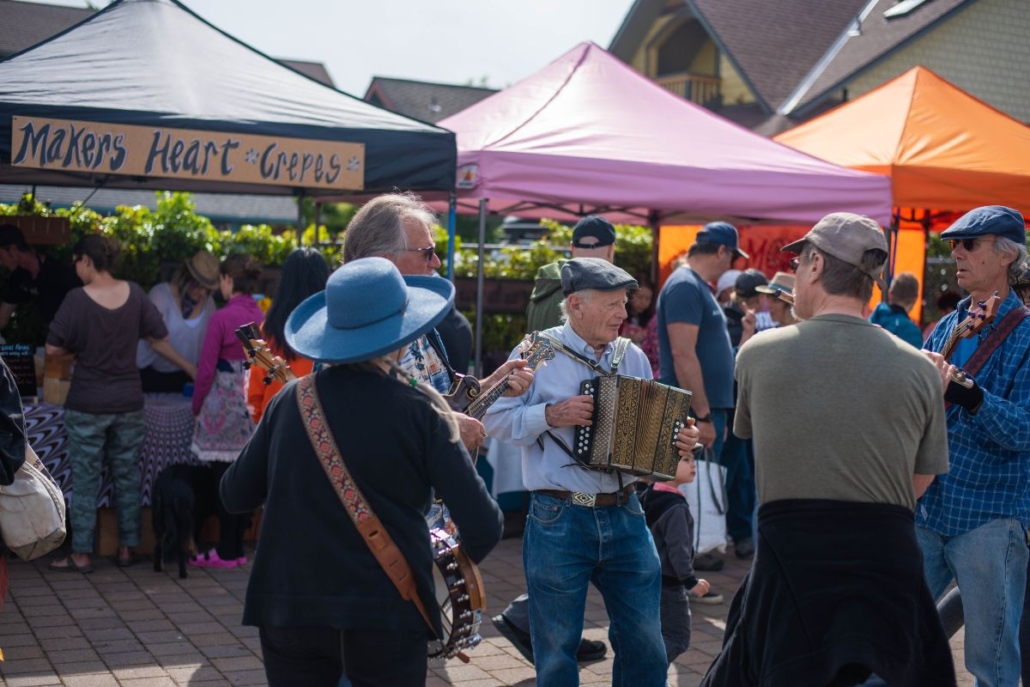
[585,525]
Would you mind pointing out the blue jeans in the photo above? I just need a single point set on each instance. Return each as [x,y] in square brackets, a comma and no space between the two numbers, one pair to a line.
[736,456]
[989,565]
[564,548]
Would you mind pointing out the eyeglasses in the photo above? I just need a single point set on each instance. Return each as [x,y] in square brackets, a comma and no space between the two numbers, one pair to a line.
[429,253]
[794,262]
[969,244]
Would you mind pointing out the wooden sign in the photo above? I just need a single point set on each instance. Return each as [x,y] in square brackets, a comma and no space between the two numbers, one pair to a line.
[102,148]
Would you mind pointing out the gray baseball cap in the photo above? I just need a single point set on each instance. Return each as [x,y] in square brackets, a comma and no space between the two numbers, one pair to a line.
[845,236]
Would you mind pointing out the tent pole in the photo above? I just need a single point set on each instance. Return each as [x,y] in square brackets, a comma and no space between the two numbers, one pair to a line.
[479,288]
[452,219]
[300,218]
[318,221]
[652,220]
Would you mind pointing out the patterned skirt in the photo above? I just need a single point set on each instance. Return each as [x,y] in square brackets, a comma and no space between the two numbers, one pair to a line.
[224,425]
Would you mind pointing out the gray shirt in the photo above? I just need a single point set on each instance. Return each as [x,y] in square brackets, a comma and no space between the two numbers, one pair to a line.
[520,420]
[839,409]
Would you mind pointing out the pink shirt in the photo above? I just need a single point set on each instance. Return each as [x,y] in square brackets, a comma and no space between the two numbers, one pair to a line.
[220,342]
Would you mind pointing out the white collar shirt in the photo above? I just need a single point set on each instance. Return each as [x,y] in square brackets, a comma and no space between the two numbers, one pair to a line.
[520,420]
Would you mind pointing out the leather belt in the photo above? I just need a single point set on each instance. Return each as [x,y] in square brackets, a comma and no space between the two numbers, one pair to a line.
[578,498]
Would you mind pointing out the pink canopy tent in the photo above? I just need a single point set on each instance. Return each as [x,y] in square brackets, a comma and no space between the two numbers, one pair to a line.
[588,134]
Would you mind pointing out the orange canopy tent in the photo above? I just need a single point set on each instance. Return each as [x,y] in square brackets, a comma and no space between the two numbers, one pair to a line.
[945,151]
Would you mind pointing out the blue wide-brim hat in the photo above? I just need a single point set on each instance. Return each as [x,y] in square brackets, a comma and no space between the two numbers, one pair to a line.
[367,310]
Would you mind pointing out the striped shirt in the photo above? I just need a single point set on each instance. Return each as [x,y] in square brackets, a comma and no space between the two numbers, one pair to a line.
[989,452]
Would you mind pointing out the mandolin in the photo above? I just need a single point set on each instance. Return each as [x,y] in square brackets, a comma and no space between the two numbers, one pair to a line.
[258,353]
[976,319]
[467,395]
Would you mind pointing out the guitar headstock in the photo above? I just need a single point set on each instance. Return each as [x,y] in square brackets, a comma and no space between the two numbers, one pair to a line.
[536,350]
[259,354]
[980,316]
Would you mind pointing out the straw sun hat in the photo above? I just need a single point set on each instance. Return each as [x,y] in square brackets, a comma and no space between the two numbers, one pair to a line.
[367,310]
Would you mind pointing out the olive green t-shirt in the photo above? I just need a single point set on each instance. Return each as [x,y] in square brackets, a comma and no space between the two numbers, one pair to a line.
[839,409]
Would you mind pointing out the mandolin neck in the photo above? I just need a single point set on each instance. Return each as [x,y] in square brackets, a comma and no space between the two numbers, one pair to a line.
[477,409]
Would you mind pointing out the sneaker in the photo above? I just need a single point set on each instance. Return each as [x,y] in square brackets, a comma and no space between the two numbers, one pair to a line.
[708,562]
[211,560]
[711,598]
[242,560]
[745,548]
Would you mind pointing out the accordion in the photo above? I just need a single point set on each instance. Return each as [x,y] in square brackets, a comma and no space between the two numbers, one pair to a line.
[634,428]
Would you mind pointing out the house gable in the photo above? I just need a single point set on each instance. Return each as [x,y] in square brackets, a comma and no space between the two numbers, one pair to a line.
[428,102]
[983,52]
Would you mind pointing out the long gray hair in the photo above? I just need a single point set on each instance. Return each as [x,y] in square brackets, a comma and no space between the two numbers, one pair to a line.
[378,228]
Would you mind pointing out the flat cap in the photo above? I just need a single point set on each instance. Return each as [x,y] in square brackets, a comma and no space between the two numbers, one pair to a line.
[582,274]
[989,220]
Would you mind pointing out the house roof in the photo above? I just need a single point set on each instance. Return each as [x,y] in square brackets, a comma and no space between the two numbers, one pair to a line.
[878,38]
[792,53]
[775,44]
[216,206]
[315,70]
[429,102]
[23,24]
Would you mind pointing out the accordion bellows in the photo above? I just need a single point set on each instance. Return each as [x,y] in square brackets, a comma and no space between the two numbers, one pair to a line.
[635,426]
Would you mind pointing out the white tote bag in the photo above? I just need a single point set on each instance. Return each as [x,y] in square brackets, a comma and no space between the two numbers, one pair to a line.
[706,497]
[32,510]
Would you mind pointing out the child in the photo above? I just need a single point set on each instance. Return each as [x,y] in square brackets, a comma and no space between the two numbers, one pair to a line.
[672,527]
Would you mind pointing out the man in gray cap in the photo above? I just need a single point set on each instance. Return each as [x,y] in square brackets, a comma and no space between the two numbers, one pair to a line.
[592,237]
[848,430]
[693,343]
[972,521]
[584,525]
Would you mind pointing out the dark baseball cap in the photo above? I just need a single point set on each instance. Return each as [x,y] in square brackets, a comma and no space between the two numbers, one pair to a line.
[722,233]
[596,227]
[748,282]
[582,274]
[995,220]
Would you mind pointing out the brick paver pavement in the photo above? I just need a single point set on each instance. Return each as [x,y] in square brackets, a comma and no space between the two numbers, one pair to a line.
[135,627]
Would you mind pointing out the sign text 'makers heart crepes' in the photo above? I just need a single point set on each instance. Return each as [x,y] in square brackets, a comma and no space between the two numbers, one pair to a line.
[101,148]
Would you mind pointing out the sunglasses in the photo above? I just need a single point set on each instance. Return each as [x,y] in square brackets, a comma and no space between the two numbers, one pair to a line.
[969,244]
[428,253]
[794,262]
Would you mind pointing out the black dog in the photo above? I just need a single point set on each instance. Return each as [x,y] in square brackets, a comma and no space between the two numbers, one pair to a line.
[182,499]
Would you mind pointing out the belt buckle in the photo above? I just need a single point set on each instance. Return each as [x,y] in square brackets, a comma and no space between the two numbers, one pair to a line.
[581,499]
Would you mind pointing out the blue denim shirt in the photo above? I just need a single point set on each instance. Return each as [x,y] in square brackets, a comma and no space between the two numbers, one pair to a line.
[989,452]
[520,420]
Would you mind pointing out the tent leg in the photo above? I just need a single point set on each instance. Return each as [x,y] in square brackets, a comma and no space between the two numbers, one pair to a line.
[318,222]
[452,219]
[300,218]
[479,289]
[652,220]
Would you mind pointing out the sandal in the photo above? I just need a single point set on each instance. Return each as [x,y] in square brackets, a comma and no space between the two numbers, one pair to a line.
[69,566]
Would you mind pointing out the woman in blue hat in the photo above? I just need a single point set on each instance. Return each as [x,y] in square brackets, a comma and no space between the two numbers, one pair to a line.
[323,604]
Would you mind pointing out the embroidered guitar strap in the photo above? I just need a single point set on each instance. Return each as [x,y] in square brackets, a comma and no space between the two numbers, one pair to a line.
[379,541]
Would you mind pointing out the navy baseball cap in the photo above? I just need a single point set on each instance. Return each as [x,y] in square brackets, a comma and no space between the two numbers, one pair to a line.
[995,220]
[596,227]
[722,233]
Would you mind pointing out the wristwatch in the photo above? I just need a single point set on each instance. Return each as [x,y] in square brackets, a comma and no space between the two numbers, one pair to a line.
[704,418]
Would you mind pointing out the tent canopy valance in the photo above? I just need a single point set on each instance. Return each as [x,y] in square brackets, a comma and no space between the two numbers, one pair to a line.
[146,94]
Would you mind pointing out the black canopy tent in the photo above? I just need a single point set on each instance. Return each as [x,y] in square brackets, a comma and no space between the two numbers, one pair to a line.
[159,71]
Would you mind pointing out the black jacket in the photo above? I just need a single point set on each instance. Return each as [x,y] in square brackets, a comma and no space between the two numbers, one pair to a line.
[836,590]
[313,568]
